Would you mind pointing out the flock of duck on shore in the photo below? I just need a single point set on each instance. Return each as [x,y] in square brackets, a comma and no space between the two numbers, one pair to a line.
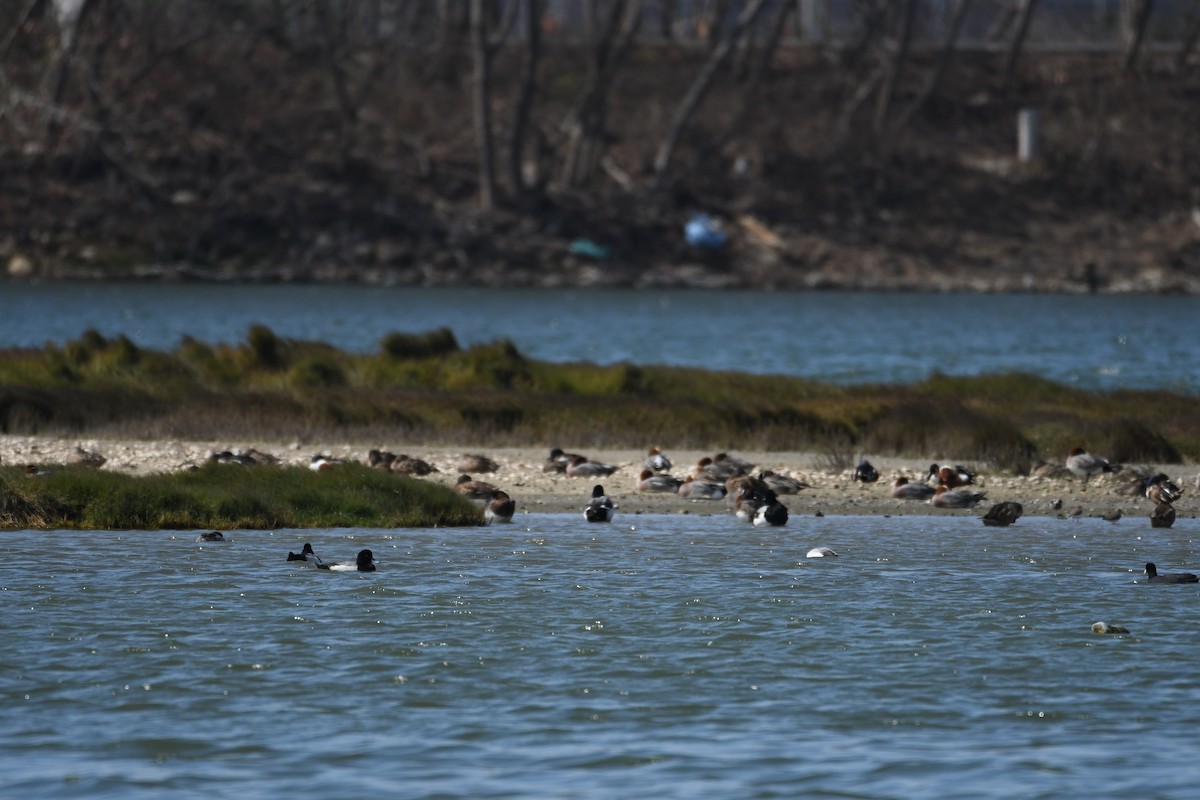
[752,498]
[755,498]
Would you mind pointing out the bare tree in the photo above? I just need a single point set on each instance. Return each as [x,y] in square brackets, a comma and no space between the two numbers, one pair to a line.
[586,124]
[1189,43]
[1136,14]
[484,45]
[1024,15]
[895,65]
[944,56]
[700,87]
[523,107]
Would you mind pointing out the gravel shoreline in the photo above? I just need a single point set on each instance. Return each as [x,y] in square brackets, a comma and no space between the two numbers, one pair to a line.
[520,473]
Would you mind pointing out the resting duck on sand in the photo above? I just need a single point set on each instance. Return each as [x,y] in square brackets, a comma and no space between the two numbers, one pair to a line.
[580,467]
[1083,464]
[955,498]
[902,489]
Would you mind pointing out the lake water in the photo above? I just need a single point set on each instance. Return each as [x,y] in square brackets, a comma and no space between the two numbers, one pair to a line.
[1106,342]
[662,656]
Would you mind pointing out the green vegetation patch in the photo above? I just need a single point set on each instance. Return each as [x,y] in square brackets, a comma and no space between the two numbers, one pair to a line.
[220,496]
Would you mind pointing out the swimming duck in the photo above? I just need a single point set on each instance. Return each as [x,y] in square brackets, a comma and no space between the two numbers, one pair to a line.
[821,552]
[1160,489]
[476,490]
[865,472]
[306,554]
[407,465]
[365,562]
[500,508]
[1112,516]
[1083,464]
[86,458]
[580,467]
[656,461]
[951,477]
[903,490]
[1168,577]
[215,536]
[1163,516]
[955,498]
[476,463]
[772,513]
[600,508]
[781,484]
[702,490]
[1003,514]
[558,460]
[1104,627]
[649,482]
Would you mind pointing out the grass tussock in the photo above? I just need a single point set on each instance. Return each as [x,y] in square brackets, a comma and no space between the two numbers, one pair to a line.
[420,388]
[227,497]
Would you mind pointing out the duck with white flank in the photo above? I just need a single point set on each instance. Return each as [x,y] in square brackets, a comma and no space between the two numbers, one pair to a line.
[656,460]
[951,477]
[365,562]
[1153,576]
[322,462]
[306,555]
[1084,465]
[902,489]
[955,498]
[1003,514]
[600,507]
[580,467]
[649,482]
[821,552]
[500,508]
[865,472]
[1160,489]
[771,513]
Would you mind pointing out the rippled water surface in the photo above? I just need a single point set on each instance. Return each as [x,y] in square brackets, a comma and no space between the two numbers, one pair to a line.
[1104,342]
[659,656]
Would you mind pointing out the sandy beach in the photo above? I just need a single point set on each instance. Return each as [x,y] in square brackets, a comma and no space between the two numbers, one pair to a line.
[521,474]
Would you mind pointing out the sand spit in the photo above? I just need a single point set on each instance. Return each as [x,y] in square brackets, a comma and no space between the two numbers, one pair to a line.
[520,473]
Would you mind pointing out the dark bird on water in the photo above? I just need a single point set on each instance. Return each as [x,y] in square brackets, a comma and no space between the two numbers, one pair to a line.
[1168,577]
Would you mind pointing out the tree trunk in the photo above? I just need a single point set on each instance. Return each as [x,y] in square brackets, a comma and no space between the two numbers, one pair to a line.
[1139,19]
[585,125]
[523,106]
[481,95]
[1189,43]
[1018,41]
[895,66]
[939,70]
[700,87]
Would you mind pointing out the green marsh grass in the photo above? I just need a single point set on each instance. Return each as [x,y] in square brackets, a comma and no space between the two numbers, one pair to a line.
[425,388]
[226,497]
